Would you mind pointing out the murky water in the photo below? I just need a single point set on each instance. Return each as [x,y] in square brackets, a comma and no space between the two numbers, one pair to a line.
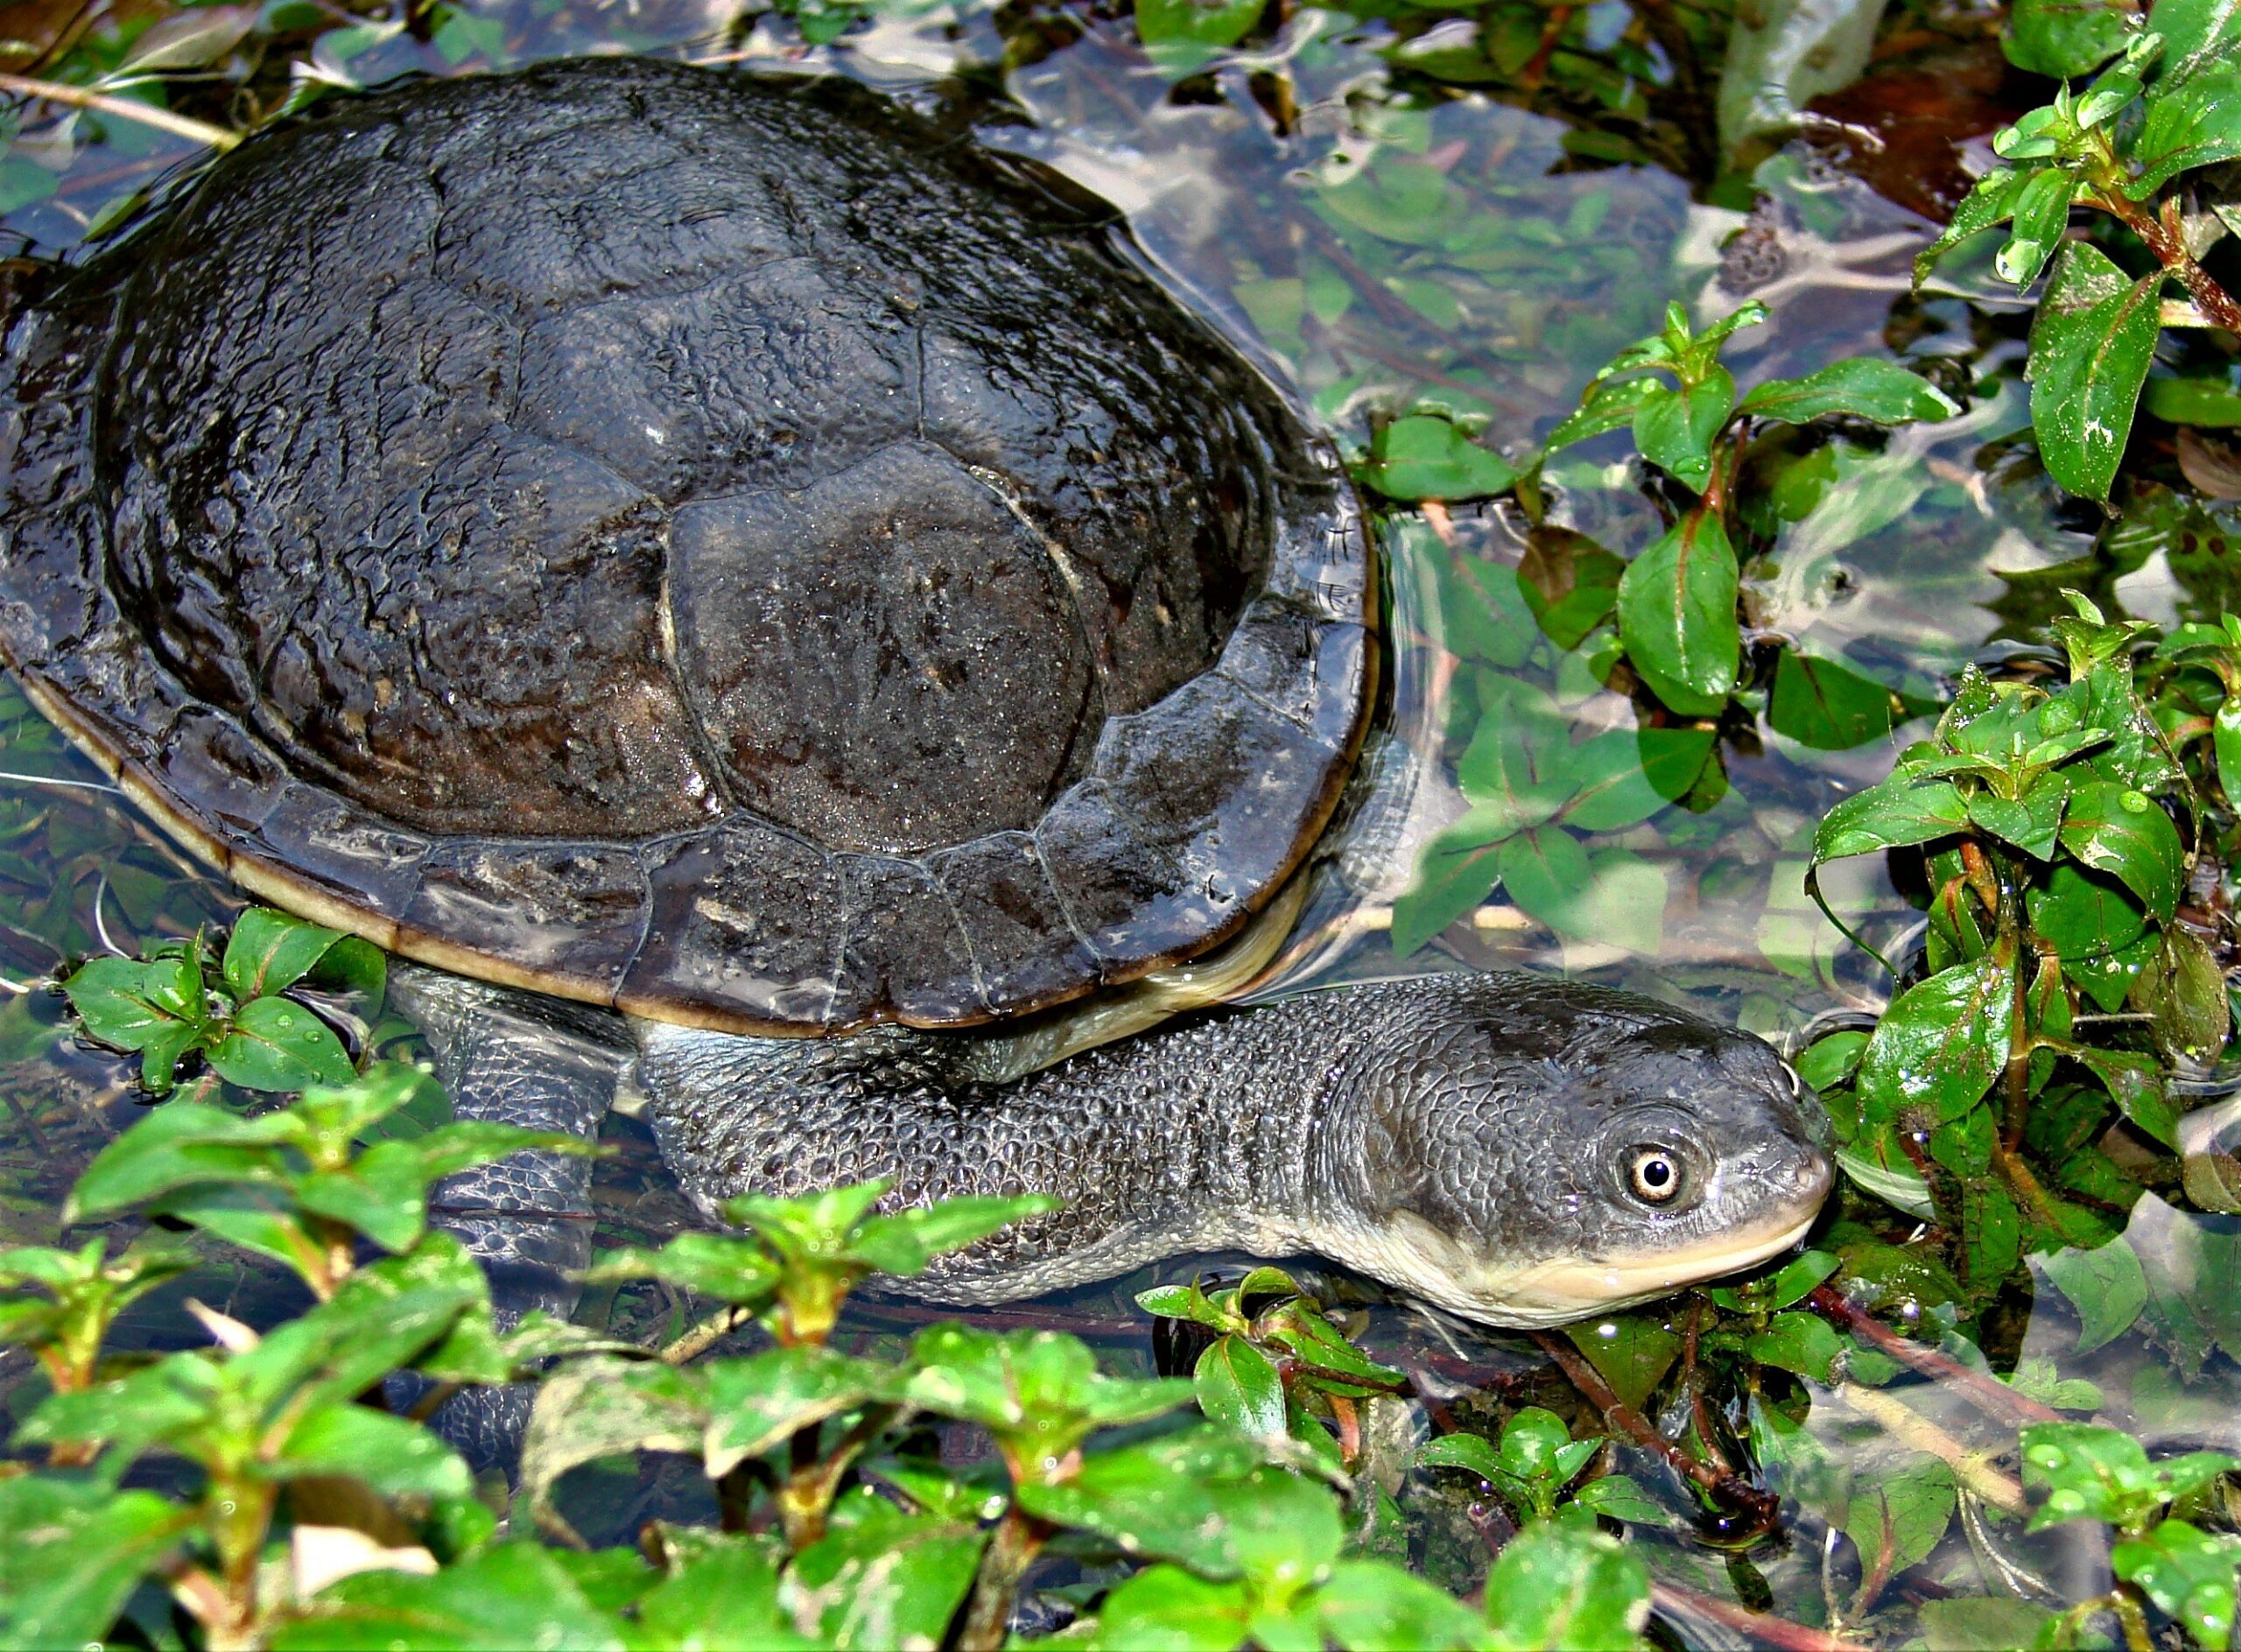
[1379,241]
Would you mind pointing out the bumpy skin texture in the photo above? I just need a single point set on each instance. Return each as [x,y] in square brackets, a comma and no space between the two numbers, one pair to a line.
[1491,1118]
[704,544]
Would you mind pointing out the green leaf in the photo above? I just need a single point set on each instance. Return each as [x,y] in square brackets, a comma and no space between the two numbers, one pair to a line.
[1830,1060]
[393,1457]
[1906,1511]
[1425,456]
[2085,915]
[1165,1607]
[2197,35]
[1607,405]
[155,1010]
[723,1593]
[1556,1588]
[2041,208]
[275,1044]
[1941,1042]
[75,1551]
[1823,705]
[2092,1473]
[270,952]
[756,1403]
[722,1266]
[1237,1386]
[2225,730]
[2182,987]
[1991,201]
[2092,345]
[903,1243]
[1973,1624]
[1618,1498]
[601,1406]
[2137,1085]
[1613,791]
[2105,1286]
[2065,39]
[879,1578]
[1569,582]
[2188,1573]
[2197,124]
[1675,428]
[2124,832]
[1370,1605]
[1456,871]
[1860,387]
[2031,823]
[1800,1342]
[1039,1393]
[1676,615]
[1632,1351]
[509,1594]
[1544,870]
[1472,1453]
[1204,23]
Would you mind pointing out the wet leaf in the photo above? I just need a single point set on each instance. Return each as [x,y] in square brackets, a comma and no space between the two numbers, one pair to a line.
[1613,791]
[275,1044]
[756,1403]
[1557,1588]
[1675,429]
[1569,582]
[1544,871]
[1860,387]
[1676,615]
[2104,1285]
[1632,1351]
[881,1578]
[722,1266]
[2041,208]
[1165,1605]
[1941,1042]
[509,1594]
[2092,345]
[2065,39]
[1425,456]
[1237,1386]
[1617,1497]
[601,1406]
[1608,405]
[76,1552]
[2182,988]
[2195,124]
[2089,1472]
[1903,1514]
[1456,871]
[1783,55]
[188,39]
[1039,1393]
[2125,833]
[2188,1573]
[1972,1625]
[2085,915]
[2031,823]
[903,1241]
[1890,814]
[1371,1604]
[1823,705]
[1992,200]
[1800,1342]
[724,1595]
[2226,738]
[2197,35]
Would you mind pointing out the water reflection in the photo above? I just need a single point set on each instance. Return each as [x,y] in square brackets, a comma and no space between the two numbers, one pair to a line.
[1383,245]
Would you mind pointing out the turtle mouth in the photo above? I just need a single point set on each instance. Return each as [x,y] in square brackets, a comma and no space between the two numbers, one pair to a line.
[1552,1290]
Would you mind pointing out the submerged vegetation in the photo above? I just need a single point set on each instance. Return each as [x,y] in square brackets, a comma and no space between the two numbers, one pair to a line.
[1812,622]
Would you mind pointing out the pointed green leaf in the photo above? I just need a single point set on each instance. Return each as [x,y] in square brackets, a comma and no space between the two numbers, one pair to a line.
[2065,39]
[1942,1042]
[2092,345]
[2125,833]
[1424,456]
[1862,387]
[1676,615]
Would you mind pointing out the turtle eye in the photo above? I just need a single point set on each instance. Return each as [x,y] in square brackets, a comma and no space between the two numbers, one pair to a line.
[1654,1174]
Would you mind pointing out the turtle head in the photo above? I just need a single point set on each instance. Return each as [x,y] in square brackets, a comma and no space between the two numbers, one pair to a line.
[1524,1152]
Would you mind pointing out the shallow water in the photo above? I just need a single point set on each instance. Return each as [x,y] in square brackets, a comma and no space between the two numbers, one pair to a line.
[1380,241]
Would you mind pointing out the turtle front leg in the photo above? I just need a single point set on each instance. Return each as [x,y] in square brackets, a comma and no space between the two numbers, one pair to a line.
[511,1058]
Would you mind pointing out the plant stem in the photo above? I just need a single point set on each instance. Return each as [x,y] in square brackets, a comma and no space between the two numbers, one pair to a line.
[123,109]
[1760,1626]
[1727,1489]
[1019,1538]
[1995,1398]
[2167,240]
[1971,1469]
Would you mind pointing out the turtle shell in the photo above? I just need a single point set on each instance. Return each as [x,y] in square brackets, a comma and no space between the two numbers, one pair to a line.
[709,543]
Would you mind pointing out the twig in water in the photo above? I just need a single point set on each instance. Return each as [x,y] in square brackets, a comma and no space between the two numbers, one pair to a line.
[1763,1626]
[1728,1489]
[123,109]
[1991,1395]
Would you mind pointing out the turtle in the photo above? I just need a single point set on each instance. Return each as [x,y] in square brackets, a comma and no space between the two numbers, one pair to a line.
[776,614]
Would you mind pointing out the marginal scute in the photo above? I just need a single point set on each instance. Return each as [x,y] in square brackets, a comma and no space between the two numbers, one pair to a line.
[715,544]
[1024,948]
[740,918]
[574,912]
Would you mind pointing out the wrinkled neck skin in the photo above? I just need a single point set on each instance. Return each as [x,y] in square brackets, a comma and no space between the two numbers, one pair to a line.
[1200,1136]
[1467,1138]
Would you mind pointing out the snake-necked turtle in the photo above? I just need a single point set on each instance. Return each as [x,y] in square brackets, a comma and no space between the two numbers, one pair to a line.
[747,587]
